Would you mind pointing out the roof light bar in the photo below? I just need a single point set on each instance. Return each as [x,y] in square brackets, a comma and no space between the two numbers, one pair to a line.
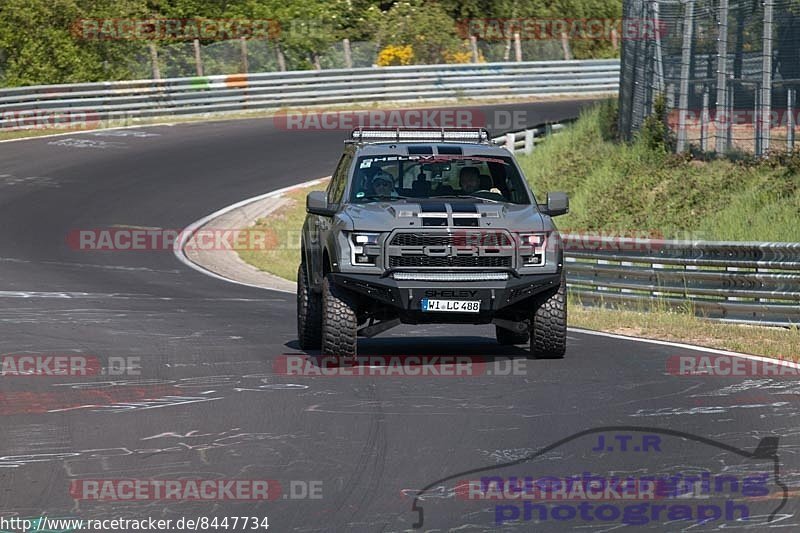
[467,135]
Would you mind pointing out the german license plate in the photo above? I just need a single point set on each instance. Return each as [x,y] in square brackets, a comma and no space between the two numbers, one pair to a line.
[451,306]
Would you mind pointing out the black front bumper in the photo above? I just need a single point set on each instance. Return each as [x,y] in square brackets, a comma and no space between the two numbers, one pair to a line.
[406,297]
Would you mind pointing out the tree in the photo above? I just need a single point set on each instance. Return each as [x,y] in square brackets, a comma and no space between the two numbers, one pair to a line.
[424,26]
[40,47]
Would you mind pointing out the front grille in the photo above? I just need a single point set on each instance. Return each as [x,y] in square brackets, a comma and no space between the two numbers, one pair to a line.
[448,250]
[459,238]
[445,262]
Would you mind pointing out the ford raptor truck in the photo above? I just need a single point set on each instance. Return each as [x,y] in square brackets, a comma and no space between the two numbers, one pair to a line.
[430,226]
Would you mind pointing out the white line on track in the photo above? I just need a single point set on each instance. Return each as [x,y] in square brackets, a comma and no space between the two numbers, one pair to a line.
[189,230]
[93,130]
[789,364]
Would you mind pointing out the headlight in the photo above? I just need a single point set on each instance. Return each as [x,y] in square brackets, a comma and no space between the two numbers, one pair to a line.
[366,238]
[364,248]
[532,247]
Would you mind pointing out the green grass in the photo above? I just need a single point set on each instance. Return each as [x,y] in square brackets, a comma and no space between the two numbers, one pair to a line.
[632,189]
[26,134]
[283,227]
[680,326]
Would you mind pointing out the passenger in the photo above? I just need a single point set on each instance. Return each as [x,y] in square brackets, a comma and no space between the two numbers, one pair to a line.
[469,179]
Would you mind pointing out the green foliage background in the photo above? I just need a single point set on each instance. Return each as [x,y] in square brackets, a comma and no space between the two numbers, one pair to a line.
[37,46]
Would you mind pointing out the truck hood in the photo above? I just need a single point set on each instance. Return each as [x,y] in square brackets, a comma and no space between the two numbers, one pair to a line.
[441,214]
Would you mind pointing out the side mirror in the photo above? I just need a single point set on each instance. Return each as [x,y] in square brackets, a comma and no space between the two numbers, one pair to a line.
[317,204]
[557,204]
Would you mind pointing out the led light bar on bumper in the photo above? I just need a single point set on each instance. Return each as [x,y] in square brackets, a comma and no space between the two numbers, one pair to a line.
[450,276]
[532,248]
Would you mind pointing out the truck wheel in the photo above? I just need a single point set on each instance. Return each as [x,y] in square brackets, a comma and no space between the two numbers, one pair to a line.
[506,337]
[309,312]
[549,326]
[339,323]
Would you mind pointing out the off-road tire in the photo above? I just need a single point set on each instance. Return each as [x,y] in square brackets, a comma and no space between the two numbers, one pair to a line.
[549,326]
[309,312]
[339,323]
[506,337]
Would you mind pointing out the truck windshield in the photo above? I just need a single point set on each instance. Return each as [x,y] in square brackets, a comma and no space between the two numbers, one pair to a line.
[392,177]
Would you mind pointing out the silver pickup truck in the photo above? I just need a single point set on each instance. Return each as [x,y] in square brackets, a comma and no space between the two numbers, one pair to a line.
[430,226]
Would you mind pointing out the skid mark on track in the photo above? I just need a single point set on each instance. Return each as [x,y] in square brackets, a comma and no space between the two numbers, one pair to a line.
[757,386]
[126,396]
[364,480]
[143,405]
[274,386]
[10,180]
[71,142]
[446,407]
[708,410]
[82,266]
[165,444]
[508,455]
[125,133]
[116,399]
[122,296]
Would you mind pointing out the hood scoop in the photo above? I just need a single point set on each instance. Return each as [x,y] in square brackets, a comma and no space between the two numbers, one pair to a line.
[405,210]
[442,213]
[492,210]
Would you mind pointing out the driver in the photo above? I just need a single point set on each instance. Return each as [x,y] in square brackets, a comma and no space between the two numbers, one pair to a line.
[469,179]
[383,184]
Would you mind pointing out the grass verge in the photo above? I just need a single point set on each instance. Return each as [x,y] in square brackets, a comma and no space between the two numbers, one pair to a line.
[631,188]
[679,326]
[283,228]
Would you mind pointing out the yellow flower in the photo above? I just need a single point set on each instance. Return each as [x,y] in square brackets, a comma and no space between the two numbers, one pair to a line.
[394,55]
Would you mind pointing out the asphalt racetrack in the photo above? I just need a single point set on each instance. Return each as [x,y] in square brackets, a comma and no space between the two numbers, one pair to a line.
[342,453]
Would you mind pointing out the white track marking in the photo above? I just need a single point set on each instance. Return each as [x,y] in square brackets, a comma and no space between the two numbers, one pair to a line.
[89,131]
[780,362]
[189,230]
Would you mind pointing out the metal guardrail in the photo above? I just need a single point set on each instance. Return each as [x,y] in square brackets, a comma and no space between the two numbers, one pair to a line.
[748,282]
[526,140]
[245,92]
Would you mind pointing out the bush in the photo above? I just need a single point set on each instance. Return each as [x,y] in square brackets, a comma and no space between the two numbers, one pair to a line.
[640,188]
[609,119]
[424,26]
[655,132]
[394,55]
